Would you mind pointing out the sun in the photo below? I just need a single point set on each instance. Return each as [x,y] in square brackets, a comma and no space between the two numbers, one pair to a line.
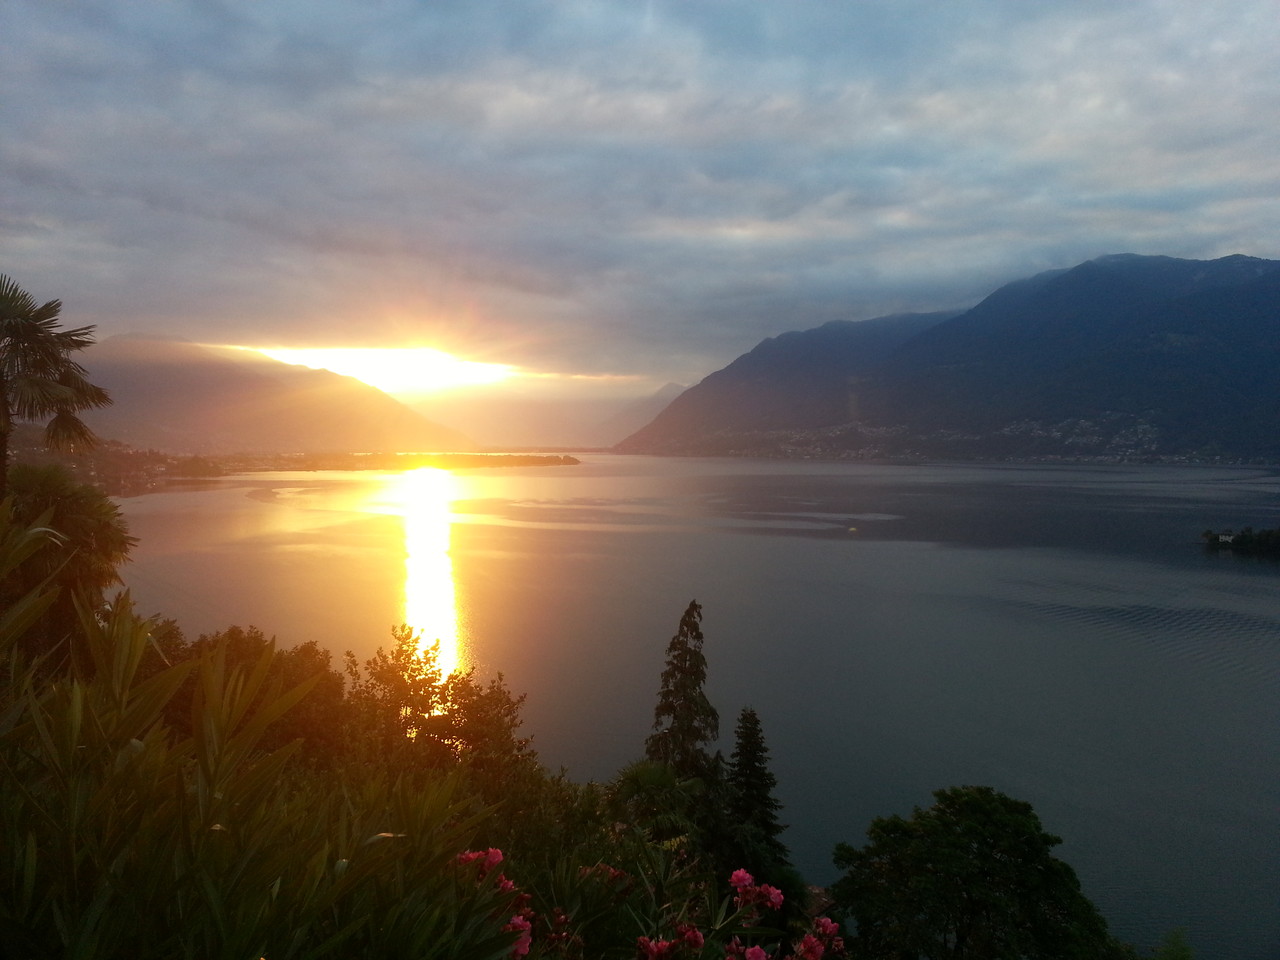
[397,369]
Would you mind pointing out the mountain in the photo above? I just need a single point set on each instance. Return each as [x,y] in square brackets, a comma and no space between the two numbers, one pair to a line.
[796,380]
[631,415]
[185,398]
[1120,356]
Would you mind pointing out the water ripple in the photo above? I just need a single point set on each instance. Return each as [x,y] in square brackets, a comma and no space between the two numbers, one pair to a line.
[1228,641]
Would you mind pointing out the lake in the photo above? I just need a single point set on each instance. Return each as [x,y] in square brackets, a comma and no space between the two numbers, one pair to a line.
[1056,632]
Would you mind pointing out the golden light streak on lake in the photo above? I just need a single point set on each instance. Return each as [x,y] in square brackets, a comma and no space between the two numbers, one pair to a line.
[425,497]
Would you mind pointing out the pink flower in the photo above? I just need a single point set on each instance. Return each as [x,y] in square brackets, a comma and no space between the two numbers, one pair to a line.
[826,927]
[490,858]
[763,895]
[654,949]
[690,935]
[504,885]
[740,878]
[810,948]
[525,928]
[755,953]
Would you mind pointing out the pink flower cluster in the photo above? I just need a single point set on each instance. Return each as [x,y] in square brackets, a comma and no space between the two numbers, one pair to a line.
[750,895]
[687,935]
[488,858]
[522,922]
[522,925]
[734,950]
[655,949]
[826,937]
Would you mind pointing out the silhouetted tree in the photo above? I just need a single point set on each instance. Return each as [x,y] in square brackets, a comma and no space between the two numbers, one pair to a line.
[318,720]
[401,707]
[684,721]
[753,809]
[38,378]
[970,877]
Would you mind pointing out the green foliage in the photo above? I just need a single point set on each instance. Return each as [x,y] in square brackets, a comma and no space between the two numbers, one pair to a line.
[684,721]
[401,708]
[971,876]
[654,797]
[81,561]
[118,838]
[19,542]
[663,906]
[316,722]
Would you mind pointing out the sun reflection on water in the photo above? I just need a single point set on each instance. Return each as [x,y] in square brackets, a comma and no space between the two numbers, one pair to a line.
[425,497]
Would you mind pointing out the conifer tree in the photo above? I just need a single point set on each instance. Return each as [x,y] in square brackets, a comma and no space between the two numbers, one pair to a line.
[684,721]
[753,807]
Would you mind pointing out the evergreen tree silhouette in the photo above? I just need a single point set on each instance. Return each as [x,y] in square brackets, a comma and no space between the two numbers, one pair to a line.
[752,806]
[684,721]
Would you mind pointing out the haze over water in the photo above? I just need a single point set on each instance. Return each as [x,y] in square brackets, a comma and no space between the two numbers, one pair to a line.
[1055,632]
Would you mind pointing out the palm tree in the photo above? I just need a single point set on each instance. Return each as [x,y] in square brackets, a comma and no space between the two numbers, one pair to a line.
[91,543]
[38,378]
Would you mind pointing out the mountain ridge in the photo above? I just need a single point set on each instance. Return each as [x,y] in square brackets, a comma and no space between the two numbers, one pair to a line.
[182,397]
[1124,355]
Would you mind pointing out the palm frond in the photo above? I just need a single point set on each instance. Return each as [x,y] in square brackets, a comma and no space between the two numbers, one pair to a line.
[14,301]
[31,398]
[66,431]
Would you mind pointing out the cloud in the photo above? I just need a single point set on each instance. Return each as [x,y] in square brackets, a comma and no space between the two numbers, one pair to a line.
[610,187]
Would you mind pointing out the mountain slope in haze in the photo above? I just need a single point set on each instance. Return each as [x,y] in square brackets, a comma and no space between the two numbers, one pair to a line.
[184,398]
[521,420]
[1119,356]
[633,415]
[800,379]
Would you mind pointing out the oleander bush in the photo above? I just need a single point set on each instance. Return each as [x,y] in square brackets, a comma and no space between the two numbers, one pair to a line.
[120,837]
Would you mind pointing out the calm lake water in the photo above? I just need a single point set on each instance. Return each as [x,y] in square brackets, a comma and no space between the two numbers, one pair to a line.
[1054,631]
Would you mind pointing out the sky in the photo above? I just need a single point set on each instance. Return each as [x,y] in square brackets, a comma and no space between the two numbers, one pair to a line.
[612,192]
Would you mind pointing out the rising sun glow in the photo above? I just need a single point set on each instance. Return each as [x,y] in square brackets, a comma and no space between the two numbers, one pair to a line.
[397,370]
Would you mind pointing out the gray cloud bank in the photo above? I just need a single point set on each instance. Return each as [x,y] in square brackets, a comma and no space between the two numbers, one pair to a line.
[613,187]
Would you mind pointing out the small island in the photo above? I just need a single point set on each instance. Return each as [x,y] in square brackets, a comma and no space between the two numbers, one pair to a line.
[1258,543]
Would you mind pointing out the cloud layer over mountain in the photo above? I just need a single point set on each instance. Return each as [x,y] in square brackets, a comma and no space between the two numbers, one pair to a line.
[613,187]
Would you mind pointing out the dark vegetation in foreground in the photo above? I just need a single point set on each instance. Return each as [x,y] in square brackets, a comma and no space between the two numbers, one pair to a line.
[222,798]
